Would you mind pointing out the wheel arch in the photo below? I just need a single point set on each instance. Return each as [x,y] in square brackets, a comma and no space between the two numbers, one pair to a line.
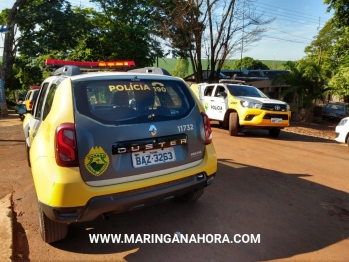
[346,138]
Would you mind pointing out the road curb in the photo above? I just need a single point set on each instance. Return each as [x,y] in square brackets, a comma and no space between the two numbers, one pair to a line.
[6,228]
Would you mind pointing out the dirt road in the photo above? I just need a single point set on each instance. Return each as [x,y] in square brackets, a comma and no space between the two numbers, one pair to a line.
[293,191]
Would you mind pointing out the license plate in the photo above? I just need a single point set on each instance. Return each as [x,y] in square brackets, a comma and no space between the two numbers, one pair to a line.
[276,120]
[153,157]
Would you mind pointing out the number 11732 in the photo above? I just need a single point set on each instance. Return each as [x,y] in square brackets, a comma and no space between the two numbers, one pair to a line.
[183,128]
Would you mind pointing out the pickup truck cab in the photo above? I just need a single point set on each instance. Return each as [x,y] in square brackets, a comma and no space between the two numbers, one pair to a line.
[239,107]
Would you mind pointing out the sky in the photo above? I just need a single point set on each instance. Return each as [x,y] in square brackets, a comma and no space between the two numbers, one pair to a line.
[297,23]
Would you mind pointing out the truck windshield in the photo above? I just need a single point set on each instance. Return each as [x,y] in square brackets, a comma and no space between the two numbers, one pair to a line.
[240,90]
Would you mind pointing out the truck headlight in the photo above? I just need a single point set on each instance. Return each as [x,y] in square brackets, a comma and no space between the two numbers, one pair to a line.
[250,104]
[288,108]
[343,122]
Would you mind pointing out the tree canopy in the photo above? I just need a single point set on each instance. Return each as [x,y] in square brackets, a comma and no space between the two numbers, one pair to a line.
[181,69]
[249,63]
[211,29]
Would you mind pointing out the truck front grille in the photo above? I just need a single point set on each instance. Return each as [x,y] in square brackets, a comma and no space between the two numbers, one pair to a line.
[274,107]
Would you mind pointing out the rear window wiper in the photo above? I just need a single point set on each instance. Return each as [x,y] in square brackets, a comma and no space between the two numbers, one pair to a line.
[151,116]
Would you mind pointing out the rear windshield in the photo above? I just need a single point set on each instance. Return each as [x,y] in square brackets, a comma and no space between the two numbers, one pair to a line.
[118,101]
[239,90]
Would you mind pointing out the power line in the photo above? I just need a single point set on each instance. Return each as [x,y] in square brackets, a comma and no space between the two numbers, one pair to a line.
[298,22]
[290,34]
[285,39]
[290,10]
[288,15]
[292,19]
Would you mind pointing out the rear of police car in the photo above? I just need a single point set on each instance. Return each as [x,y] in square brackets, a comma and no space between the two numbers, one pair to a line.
[129,141]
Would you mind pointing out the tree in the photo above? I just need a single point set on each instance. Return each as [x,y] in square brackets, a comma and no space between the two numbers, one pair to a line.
[10,48]
[306,80]
[125,31]
[181,69]
[249,63]
[218,27]
[45,27]
[339,83]
[341,11]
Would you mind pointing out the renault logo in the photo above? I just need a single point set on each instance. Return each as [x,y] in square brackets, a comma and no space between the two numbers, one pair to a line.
[153,130]
[277,108]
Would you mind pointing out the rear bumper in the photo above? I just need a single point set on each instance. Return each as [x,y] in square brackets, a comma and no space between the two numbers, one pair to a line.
[129,200]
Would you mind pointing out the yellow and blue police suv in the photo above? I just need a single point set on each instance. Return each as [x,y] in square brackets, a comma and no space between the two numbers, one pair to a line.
[240,107]
[110,142]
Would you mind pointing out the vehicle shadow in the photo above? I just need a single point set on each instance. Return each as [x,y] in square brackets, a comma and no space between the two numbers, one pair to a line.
[291,214]
[20,243]
[284,135]
[5,140]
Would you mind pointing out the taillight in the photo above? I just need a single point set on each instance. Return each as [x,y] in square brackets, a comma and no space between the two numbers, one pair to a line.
[31,102]
[66,151]
[207,129]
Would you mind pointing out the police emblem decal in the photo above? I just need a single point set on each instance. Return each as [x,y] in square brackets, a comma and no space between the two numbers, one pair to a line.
[96,161]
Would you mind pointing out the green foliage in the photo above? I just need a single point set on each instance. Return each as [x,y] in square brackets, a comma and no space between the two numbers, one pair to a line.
[341,48]
[306,80]
[46,26]
[31,71]
[249,63]
[181,69]
[341,11]
[170,63]
[340,82]
[124,31]
[225,66]
[3,16]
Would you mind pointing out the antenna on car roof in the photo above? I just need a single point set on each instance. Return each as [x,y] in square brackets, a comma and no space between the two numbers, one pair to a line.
[151,70]
[67,71]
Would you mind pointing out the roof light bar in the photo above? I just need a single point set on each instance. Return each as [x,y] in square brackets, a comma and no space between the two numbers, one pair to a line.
[34,87]
[91,65]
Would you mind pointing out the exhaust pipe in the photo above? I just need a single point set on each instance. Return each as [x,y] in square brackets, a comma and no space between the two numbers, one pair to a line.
[105,216]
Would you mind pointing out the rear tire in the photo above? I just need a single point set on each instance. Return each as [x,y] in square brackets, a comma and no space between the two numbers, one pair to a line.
[348,140]
[275,132]
[51,231]
[192,196]
[233,124]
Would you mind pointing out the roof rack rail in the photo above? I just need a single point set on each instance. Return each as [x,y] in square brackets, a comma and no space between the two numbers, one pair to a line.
[151,70]
[232,81]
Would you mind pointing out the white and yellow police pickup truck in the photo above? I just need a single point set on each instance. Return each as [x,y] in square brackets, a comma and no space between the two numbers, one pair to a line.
[239,107]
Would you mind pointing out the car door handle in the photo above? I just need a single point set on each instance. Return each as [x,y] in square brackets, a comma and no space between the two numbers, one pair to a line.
[212,100]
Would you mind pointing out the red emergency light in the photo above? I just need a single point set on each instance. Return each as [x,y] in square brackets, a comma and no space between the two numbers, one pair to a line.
[91,65]
[34,87]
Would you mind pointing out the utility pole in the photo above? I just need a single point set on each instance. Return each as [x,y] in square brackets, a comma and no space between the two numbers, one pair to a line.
[3,105]
[243,33]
